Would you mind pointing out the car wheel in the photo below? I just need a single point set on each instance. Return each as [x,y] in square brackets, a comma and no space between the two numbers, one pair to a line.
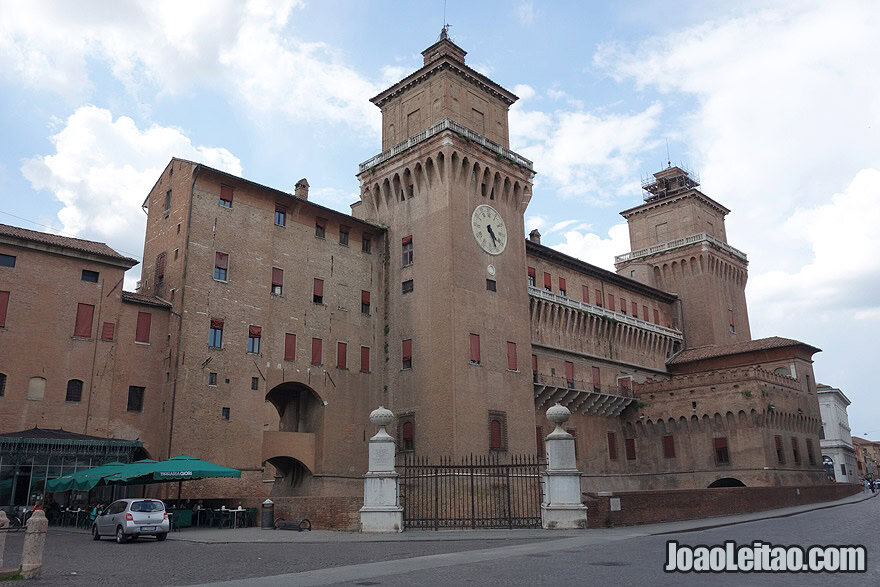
[95,535]
[120,535]
[161,537]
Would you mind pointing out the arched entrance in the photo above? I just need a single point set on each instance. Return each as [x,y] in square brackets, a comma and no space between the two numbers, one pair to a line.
[292,477]
[828,464]
[727,482]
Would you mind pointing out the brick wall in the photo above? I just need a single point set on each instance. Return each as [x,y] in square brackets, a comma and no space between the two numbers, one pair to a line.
[646,507]
[325,513]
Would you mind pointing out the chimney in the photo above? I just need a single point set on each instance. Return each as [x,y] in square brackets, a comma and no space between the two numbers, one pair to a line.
[301,190]
[535,237]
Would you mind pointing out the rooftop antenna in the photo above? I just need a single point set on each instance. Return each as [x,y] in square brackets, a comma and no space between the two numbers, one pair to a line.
[444,30]
[668,158]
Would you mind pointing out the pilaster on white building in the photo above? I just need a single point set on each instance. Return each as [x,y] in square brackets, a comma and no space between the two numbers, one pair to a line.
[838,454]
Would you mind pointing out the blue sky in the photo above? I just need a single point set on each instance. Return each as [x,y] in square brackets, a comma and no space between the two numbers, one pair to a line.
[776,105]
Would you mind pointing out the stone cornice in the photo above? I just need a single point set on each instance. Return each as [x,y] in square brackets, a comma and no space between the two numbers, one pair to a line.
[657,203]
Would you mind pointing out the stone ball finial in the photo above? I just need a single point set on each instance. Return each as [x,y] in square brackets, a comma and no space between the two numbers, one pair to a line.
[381,416]
[558,414]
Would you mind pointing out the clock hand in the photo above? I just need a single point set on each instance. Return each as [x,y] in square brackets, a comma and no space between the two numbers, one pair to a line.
[491,233]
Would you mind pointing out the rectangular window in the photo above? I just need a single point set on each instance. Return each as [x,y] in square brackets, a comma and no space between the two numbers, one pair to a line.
[496,431]
[221,266]
[366,244]
[317,351]
[597,379]
[318,291]
[160,267]
[90,275]
[280,216]
[406,287]
[611,302]
[406,353]
[343,236]
[491,285]
[599,297]
[586,293]
[320,227]
[475,348]
[167,201]
[569,374]
[289,347]
[624,385]
[548,282]
[645,313]
[226,196]
[341,355]
[142,332]
[135,399]
[722,457]
[212,379]
[365,359]
[668,447]
[539,441]
[83,326]
[780,452]
[4,306]
[7,260]
[635,310]
[532,279]
[107,331]
[365,302]
[656,316]
[795,452]
[622,306]
[730,320]
[215,337]
[511,356]
[534,363]
[407,435]
[811,456]
[407,249]
[630,446]
[612,446]
[254,335]
[277,281]
[224,413]
[255,383]
[562,288]
[74,391]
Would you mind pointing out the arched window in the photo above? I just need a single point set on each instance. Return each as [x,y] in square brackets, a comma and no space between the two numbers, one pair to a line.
[36,388]
[495,434]
[74,390]
[407,436]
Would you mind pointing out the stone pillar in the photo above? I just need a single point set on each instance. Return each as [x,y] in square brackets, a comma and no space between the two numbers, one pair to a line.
[34,542]
[382,511]
[563,507]
[4,525]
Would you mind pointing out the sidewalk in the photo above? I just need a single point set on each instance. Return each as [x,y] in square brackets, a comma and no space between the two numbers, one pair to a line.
[256,535]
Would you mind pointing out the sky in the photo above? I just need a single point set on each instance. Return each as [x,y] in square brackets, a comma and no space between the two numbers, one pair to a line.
[776,105]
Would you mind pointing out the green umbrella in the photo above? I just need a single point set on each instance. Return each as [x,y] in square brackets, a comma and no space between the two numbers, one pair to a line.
[85,479]
[180,468]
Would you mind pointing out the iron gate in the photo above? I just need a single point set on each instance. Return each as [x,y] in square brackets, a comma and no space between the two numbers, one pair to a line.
[478,492]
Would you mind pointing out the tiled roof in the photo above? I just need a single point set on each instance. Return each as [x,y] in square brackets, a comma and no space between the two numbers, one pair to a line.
[710,351]
[52,434]
[136,298]
[76,244]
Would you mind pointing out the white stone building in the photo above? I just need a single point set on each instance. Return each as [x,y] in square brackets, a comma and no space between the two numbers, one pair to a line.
[836,441]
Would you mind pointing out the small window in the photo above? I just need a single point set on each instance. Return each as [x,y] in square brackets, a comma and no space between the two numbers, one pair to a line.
[406,353]
[226,196]
[74,391]
[224,413]
[562,287]
[630,447]
[611,303]
[108,331]
[407,433]
[475,349]
[491,285]
[277,281]
[407,286]
[221,266]
[212,379]
[539,441]
[585,290]
[178,228]
[142,331]
[635,310]
[317,351]
[656,316]
[365,359]
[2,384]
[569,374]
[612,446]
[318,291]
[135,399]
[176,253]
[668,447]
[83,326]
[4,307]
[532,278]
[255,383]
[365,302]
[254,334]
[341,355]
[511,356]
[407,250]
[167,202]
[280,216]
[795,451]
[622,306]
[548,281]
[811,456]
[36,388]
[599,298]
[215,338]
[366,244]
[730,320]
[497,431]
[722,457]
[645,313]
[7,260]
[780,451]
[320,227]
[343,236]
[289,347]
[90,275]
[160,268]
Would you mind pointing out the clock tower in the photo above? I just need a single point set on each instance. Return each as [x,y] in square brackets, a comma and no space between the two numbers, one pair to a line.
[452,195]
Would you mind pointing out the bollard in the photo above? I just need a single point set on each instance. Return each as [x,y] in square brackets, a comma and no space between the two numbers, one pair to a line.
[34,542]
[267,519]
[4,526]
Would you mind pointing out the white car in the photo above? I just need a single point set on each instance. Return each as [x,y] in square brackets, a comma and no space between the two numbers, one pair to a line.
[126,519]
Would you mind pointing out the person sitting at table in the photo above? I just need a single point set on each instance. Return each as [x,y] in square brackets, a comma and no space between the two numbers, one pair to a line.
[96,511]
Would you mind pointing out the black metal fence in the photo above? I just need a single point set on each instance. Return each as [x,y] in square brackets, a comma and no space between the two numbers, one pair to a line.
[480,491]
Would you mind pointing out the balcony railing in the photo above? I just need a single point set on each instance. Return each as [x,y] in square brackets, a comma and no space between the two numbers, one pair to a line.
[679,243]
[543,294]
[579,384]
[445,124]
[581,396]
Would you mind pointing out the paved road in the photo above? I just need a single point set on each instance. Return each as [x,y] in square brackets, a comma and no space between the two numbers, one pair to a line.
[614,557]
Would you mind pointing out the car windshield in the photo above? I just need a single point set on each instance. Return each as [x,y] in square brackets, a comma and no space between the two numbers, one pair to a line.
[147,506]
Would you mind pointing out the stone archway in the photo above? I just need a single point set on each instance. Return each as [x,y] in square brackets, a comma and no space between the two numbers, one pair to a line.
[300,408]
[727,482]
[292,477]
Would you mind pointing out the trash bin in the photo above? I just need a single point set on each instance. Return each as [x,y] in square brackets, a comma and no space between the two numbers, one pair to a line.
[267,519]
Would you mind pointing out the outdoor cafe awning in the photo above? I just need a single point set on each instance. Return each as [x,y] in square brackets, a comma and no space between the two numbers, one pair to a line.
[146,471]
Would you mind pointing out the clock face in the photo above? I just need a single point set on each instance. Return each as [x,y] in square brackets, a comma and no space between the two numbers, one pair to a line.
[489,229]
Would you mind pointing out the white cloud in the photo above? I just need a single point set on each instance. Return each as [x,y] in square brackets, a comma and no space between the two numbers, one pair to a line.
[523,92]
[561,225]
[593,248]
[333,197]
[535,223]
[102,169]
[525,11]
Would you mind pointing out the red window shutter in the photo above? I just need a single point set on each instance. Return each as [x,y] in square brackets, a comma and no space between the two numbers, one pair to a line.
[630,445]
[586,291]
[562,284]
[318,288]
[407,431]
[316,351]
[720,443]
[623,305]
[495,434]
[365,297]
[277,276]
[365,359]
[475,348]
[226,192]
[599,298]
[611,302]
[645,313]
[511,356]
[535,363]
[142,334]
[539,440]
[254,331]
[730,316]
[406,349]
[108,330]
[778,442]
[656,316]
[668,447]
[625,383]
[569,371]
[221,261]
[548,281]
[407,240]
[321,222]
[597,377]
[531,272]
[289,347]
[341,355]
[215,323]
[612,446]
[635,310]
[83,326]
[4,304]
